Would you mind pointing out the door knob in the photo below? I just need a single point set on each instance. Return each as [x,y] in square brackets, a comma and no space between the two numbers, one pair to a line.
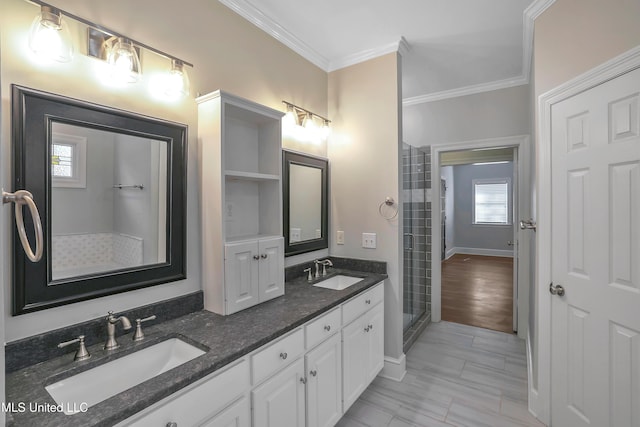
[509,243]
[556,290]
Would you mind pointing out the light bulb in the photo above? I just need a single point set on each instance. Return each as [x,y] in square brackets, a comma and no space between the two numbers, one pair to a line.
[49,36]
[124,61]
[290,120]
[177,83]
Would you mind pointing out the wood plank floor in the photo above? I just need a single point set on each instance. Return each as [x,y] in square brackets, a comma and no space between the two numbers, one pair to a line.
[478,291]
[457,375]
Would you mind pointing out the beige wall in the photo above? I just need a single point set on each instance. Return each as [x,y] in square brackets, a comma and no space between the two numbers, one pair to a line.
[364,104]
[228,53]
[503,112]
[574,36]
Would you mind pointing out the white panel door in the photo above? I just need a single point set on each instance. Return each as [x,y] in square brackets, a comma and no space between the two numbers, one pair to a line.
[324,383]
[271,268]
[236,415]
[374,331]
[279,402]
[241,262]
[596,256]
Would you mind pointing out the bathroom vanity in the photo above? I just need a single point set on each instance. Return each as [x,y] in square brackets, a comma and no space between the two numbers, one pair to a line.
[301,359]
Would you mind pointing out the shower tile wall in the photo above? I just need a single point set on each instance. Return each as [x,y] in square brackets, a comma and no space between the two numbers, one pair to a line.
[417,220]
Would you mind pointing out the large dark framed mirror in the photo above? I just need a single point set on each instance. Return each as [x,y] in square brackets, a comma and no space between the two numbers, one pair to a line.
[111,189]
[305,202]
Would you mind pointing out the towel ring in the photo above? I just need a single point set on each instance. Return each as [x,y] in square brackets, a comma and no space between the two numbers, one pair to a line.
[391,210]
[23,197]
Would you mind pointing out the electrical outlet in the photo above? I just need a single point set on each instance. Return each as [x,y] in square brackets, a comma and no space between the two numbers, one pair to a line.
[369,240]
[340,237]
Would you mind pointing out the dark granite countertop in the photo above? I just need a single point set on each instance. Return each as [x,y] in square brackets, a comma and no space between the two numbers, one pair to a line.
[227,338]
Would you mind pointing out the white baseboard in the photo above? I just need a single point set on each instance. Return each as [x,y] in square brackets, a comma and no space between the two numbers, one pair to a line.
[449,253]
[482,251]
[394,369]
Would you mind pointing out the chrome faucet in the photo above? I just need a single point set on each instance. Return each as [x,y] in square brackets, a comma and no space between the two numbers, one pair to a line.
[324,263]
[111,343]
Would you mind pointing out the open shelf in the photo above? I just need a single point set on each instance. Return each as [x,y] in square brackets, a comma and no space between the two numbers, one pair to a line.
[250,176]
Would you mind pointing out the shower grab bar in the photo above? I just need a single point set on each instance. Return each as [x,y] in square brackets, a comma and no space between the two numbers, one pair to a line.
[23,197]
[121,186]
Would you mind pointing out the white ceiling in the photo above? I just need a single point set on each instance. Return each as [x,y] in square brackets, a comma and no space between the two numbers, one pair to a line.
[453,45]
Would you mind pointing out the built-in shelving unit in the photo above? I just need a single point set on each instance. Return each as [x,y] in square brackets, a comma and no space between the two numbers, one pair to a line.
[240,165]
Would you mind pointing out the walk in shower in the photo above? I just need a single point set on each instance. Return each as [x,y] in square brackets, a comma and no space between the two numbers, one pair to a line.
[416,228]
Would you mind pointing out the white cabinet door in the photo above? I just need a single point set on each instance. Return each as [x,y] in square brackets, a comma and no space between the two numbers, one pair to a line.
[271,268]
[354,374]
[279,402]
[324,384]
[375,339]
[236,415]
[241,275]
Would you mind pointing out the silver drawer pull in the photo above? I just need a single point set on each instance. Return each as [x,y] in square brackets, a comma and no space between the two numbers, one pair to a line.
[368,301]
[283,356]
[327,328]
[313,373]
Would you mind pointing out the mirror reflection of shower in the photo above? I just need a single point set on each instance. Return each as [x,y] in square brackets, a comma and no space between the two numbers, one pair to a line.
[108,201]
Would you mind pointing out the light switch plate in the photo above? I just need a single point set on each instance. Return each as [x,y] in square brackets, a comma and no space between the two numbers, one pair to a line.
[369,240]
[340,237]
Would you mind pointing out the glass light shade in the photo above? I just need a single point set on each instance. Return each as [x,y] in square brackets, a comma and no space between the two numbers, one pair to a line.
[325,131]
[49,36]
[290,119]
[177,81]
[124,61]
[309,124]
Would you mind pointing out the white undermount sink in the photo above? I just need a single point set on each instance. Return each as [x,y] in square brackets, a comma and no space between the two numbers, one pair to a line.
[97,384]
[338,282]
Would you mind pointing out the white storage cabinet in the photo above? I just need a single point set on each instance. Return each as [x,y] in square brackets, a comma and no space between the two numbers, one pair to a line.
[240,159]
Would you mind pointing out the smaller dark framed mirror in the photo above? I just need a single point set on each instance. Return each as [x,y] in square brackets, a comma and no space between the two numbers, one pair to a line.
[305,202]
[111,188]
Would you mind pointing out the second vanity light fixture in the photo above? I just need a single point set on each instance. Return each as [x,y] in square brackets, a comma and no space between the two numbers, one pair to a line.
[300,117]
[49,38]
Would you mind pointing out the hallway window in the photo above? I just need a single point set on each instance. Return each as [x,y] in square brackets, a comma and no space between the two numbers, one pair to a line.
[491,201]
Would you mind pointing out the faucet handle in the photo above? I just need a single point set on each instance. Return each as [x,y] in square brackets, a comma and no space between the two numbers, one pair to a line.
[138,335]
[82,353]
[309,275]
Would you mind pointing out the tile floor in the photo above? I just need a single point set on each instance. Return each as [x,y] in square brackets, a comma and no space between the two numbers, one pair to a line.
[457,375]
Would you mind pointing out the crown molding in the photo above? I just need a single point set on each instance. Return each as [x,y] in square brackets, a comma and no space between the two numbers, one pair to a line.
[401,46]
[252,14]
[529,16]
[466,90]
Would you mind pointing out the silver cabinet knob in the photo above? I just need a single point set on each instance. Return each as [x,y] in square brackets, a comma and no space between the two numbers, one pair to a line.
[313,373]
[327,328]
[368,301]
[283,356]
[172,424]
[264,256]
[256,257]
[556,290]
[367,329]
[370,327]
[303,380]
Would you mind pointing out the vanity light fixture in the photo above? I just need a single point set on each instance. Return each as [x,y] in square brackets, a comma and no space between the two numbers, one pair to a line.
[307,120]
[49,36]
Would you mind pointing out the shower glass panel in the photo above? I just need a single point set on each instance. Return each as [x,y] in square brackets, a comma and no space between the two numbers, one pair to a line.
[415,163]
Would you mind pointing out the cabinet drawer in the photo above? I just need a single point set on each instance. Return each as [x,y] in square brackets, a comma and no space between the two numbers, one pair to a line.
[362,303]
[277,355]
[322,328]
[194,404]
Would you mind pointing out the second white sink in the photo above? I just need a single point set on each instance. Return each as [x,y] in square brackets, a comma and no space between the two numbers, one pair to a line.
[97,384]
[338,282]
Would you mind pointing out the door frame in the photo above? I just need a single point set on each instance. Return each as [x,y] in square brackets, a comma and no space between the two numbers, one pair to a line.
[540,387]
[521,207]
